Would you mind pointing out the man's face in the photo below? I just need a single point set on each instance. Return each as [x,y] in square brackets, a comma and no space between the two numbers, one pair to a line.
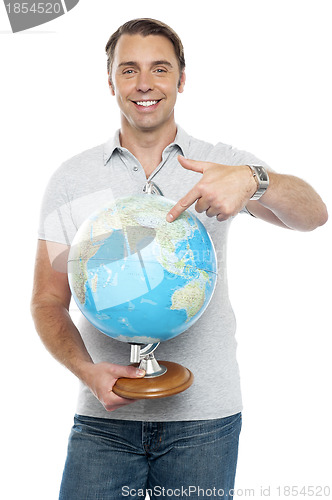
[145,81]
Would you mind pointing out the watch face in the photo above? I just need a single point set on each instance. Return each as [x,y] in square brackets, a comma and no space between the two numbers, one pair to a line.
[262,173]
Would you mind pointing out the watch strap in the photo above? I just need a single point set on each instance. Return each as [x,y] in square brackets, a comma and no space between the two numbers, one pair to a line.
[262,179]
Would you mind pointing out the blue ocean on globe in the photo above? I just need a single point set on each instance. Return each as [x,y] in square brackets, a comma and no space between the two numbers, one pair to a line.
[138,278]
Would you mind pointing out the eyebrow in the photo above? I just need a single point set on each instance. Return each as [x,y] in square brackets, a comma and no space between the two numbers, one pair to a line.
[154,63]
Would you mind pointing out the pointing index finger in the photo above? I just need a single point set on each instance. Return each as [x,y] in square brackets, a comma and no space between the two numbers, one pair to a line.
[183,204]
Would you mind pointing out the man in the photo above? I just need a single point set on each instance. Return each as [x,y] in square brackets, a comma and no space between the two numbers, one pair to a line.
[186,443]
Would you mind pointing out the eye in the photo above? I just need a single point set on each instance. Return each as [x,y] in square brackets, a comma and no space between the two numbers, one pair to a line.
[128,72]
[160,70]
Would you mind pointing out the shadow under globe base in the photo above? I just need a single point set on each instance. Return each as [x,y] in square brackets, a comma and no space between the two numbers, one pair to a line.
[176,379]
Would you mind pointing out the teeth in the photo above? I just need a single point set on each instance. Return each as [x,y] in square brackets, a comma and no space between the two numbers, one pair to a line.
[146,103]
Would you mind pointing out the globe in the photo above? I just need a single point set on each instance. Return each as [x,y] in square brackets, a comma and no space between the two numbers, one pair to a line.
[138,278]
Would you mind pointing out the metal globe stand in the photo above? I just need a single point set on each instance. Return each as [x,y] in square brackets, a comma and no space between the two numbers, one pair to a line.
[160,380]
[145,356]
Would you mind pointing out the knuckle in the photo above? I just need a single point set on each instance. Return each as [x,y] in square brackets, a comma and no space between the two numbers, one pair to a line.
[199,208]
[183,204]
[111,403]
[205,190]
[226,209]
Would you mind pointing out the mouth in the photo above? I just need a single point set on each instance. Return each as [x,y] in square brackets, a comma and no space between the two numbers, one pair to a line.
[147,104]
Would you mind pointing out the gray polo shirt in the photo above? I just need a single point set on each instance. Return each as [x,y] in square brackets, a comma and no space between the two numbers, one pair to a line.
[107,172]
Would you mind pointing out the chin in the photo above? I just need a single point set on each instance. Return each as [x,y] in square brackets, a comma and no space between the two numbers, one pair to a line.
[146,127]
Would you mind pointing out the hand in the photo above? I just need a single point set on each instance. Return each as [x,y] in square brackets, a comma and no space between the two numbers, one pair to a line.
[101,377]
[222,191]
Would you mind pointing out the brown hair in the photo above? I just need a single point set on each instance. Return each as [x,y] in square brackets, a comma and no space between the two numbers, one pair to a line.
[145,27]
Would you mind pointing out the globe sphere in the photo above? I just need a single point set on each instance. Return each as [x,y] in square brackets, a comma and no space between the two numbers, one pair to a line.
[138,278]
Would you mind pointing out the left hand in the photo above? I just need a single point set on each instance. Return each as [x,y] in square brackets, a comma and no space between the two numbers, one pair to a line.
[222,191]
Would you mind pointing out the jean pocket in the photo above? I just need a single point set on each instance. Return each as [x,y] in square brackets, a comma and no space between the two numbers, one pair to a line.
[203,432]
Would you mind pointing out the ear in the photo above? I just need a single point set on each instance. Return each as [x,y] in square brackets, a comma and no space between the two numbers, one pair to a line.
[182,82]
[110,83]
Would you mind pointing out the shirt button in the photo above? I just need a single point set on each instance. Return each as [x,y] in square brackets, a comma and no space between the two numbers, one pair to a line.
[135,168]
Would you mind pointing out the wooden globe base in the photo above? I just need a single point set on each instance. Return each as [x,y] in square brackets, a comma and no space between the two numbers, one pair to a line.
[175,380]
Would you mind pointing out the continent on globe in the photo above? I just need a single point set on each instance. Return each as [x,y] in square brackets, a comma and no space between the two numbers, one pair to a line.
[190,298]
[138,278]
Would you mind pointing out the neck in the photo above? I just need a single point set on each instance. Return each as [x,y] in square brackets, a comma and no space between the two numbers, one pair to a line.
[147,145]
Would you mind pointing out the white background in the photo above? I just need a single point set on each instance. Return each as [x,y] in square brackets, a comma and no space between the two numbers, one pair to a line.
[259,78]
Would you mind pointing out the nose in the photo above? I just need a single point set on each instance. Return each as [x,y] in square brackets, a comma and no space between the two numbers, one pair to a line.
[144,81]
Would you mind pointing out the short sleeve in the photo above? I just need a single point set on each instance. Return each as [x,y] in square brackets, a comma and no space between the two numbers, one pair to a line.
[56,223]
[233,156]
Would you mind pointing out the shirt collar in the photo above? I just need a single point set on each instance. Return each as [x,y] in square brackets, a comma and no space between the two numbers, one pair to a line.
[182,140]
[111,145]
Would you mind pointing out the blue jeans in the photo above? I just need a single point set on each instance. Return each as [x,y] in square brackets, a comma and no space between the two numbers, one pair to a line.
[118,459]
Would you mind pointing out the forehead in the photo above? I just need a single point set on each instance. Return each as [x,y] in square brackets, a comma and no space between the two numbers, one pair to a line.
[144,49]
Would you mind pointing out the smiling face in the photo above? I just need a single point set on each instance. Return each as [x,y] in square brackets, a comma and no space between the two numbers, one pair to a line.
[146,81]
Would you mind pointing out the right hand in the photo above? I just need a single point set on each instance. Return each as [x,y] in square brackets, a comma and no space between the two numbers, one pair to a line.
[101,377]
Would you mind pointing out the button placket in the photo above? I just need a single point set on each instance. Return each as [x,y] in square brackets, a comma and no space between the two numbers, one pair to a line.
[167,156]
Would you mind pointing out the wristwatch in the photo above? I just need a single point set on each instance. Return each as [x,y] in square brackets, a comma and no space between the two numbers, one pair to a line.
[261,177]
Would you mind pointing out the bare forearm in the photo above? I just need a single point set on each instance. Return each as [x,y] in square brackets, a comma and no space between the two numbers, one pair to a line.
[61,337]
[294,202]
